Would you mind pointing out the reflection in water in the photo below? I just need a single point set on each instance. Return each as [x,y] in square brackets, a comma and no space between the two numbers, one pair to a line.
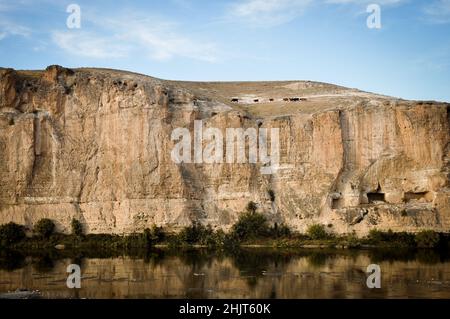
[250,273]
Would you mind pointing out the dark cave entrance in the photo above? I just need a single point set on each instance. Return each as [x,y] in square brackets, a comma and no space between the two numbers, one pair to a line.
[336,203]
[377,196]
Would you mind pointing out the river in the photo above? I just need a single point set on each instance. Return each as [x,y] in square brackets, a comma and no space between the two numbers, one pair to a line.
[246,273]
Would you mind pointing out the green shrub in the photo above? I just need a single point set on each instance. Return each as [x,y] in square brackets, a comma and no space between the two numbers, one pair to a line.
[278,231]
[213,238]
[427,239]
[251,207]
[153,236]
[250,225]
[175,242]
[94,241]
[230,242]
[147,236]
[44,228]
[77,228]
[376,236]
[403,239]
[390,238]
[157,233]
[353,241]
[11,233]
[317,232]
[195,234]
[198,234]
[134,240]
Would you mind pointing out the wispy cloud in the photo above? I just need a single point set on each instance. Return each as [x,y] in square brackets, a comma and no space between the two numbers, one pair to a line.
[8,28]
[365,2]
[438,11]
[106,36]
[162,40]
[267,13]
[89,45]
[122,36]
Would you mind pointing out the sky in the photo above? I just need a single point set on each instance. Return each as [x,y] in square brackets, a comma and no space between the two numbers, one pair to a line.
[407,56]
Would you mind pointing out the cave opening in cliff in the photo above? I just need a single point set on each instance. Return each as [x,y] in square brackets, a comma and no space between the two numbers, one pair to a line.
[375,197]
[337,203]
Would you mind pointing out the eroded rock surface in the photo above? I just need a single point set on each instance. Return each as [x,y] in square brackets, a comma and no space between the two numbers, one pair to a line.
[95,145]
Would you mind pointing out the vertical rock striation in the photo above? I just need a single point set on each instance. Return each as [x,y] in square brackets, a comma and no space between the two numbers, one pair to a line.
[96,145]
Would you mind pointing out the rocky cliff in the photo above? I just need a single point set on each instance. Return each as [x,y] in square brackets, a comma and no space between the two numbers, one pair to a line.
[96,145]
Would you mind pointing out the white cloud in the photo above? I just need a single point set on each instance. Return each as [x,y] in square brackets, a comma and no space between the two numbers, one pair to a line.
[119,36]
[364,2]
[268,12]
[126,35]
[438,11]
[88,45]
[8,28]
[162,41]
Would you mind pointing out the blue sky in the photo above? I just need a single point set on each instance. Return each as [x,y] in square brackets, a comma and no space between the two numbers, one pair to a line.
[321,40]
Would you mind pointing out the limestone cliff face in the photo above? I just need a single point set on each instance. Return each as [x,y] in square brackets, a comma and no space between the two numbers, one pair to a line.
[96,145]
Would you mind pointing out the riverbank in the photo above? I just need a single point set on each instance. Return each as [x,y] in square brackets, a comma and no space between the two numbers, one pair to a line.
[251,230]
[376,239]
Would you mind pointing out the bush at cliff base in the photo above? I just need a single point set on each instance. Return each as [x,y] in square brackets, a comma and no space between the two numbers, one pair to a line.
[11,233]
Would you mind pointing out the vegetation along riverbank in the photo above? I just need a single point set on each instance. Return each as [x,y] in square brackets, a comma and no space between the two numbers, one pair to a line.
[251,230]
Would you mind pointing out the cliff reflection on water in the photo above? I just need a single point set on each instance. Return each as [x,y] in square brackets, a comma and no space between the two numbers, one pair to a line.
[247,273]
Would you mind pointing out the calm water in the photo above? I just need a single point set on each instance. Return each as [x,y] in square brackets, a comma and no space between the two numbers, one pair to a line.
[252,273]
